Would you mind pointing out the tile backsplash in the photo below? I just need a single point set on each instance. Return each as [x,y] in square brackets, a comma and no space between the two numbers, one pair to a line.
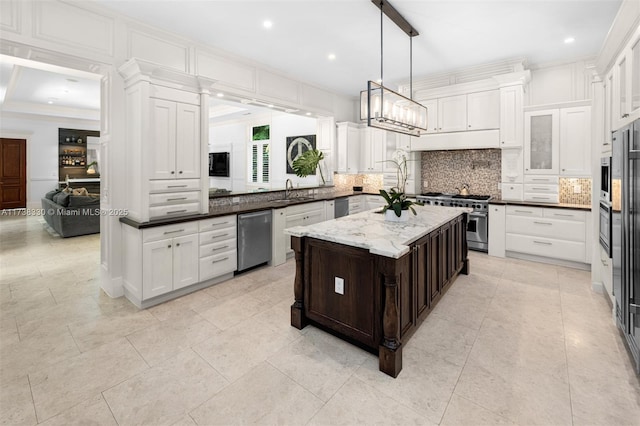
[444,171]
[369,182]
[567,189]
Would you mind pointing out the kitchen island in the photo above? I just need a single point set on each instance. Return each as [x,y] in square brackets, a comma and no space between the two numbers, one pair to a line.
[372,282]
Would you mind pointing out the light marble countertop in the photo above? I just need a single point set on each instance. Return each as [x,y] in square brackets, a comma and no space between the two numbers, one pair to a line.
[369,230]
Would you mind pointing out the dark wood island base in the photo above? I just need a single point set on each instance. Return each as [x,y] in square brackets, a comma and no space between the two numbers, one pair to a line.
[383,299]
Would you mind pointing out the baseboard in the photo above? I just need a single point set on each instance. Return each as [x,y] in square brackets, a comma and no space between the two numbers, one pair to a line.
[112,286]
[549,260]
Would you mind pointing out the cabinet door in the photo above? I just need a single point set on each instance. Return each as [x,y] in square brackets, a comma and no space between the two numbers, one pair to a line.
[157,268]
[608,96]
[434,269]
[635,75]
[452,113]
[188,141]
[623,85]
[575,141]
[291,221]
[483,110]
[162,136]
[315,216]
[541,139]
[497,217]
[421,257]
[185,261]
[353,150]
[432,115]
[511,126]
[373,150]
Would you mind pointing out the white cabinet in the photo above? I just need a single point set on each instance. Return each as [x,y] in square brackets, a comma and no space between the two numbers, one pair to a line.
[542,138]
[452,113]
[348,147]
[169,259]
[326,139]
[483,110]
[374,202]
[301,215]
[511,117]
[329,209]
[169,123]
[623,86]
[432,115]
[497,216]
[472,111]
[541,188]
[356,204]
[372,150]
[575,141]
[218,247]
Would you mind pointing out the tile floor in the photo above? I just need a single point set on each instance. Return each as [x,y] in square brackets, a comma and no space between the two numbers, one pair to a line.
[514,342]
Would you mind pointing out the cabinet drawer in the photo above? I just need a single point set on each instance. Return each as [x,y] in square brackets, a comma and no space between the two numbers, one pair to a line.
[565,214]
[551,180]
[547,247]
[305,208]
[541,198]
[540,188]
[512,191]
[174,210]
[169,231]
[217,247]
[219,264]
[218,235]
[174,185]
[543,227]
[173,197]
[217,223]
[524,211]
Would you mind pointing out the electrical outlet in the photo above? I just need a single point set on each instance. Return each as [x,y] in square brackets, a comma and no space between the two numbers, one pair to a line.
[577,189]
[339,285]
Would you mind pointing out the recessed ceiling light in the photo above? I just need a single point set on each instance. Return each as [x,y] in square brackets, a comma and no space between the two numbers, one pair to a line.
[331,57]
[267,24]
[49,102]
[270,105]
[569,40]
[220,95]
[308,113]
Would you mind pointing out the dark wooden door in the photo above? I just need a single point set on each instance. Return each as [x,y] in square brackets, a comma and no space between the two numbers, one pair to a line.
[13,173]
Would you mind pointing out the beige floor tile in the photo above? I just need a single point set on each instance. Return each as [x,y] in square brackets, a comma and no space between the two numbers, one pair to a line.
[444,338]
[319,362]
[93,333]
[34,353]
[462,412]
[235,351]
[165,393]
[425,383]
[465,310]
[186,420]
[532,273]
[521,395]
[16,404]
[66,384]
[93,411]
[275,292]
[263,396]
[233,311]
[278,318]
[357,403]
[8,331]
[168,338]
[22,303]
[177,308]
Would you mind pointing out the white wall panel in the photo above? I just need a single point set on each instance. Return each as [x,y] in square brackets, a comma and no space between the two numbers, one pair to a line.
[10,15]
[74,27]
[158,50]
[279,87]
[226,72]
[316,98]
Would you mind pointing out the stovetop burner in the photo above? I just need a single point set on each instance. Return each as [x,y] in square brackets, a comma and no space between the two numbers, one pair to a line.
[472,197]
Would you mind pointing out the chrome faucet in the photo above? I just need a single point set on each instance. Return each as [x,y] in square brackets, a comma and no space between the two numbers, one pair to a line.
[288,187]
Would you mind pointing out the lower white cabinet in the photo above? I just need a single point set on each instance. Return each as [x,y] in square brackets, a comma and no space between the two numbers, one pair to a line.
[497,215]
[329,209]
[547,232]
[356,204]
[541,189]
[218,247]
[374,202]
[297,215]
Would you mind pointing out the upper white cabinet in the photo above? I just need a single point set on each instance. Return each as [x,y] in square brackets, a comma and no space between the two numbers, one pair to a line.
[623,81]
[348,147]
[452,114]
[373,148]
[542,137]
[432,115]
[575,141]
[511,118]
[483,110]
[175,128]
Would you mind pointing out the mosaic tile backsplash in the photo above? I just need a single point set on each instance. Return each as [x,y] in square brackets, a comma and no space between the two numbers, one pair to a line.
[444,171]
[567,195]
[369,182]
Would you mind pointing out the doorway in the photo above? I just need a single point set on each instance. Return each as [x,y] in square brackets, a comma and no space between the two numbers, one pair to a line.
[13,173]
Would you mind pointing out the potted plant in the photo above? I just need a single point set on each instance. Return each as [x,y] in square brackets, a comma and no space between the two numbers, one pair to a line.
[398,205]
[92,168]
[307,163]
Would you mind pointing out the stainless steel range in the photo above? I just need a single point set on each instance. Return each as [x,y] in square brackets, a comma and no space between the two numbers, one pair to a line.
[478,225]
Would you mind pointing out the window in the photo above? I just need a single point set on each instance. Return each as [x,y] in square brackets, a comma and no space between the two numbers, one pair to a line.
[259,155]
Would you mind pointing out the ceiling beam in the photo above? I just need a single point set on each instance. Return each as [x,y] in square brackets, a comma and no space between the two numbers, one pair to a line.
[395,17]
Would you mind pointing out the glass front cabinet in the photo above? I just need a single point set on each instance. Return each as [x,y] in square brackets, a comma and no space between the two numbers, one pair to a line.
[541,147]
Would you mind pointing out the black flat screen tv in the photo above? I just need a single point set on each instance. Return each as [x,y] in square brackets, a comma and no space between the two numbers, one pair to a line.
[219,164]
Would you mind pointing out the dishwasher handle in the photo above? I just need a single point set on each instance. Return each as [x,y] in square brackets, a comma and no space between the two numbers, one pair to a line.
[245,216]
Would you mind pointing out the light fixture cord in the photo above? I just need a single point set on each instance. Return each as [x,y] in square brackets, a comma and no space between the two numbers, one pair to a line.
[411,67]
[381,44]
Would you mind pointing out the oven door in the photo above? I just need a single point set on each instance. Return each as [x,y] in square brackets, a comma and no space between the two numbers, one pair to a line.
[477,232]
[605,227]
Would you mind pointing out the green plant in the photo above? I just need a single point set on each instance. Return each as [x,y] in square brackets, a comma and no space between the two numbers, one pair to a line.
[307,163]
[93,163]
[396,201]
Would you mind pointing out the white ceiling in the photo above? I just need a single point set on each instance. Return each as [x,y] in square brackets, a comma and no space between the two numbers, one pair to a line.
[453,34]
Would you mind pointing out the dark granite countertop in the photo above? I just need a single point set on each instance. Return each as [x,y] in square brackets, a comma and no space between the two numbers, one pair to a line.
[239,209]
[534,204]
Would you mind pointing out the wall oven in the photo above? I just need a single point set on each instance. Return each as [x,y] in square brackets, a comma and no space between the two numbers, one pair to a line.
[605,227]
[605,179]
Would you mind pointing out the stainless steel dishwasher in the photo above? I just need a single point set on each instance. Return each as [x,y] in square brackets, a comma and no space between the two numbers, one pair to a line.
[254,239]
[341,207]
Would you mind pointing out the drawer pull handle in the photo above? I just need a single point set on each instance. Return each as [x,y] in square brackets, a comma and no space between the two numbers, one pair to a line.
[540,198]
[218,236]
[219,248]
[221,260]
[540,180]
[176,186]
[523,211]
[177,211]
[543,223]
[218,224]
[542,242]
[563,215]
[540,189]
[173,232]
[176,199]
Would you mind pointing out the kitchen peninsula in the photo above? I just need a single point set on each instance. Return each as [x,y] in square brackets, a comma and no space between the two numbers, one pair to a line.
[373,282]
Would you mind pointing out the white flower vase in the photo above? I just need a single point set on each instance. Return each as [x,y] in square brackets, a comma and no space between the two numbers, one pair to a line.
[390,216]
